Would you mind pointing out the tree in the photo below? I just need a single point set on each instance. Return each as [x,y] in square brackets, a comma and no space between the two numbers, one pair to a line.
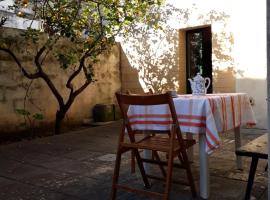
[88,27]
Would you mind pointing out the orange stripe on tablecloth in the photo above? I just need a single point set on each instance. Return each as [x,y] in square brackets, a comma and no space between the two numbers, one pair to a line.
[202,125]
[211,104]
[233,111]
[222,111]
[210,146]
[226,116]
[211,135]
[250,123]
[149,116]
[240,109]
[151,122]
[168,123]
[198,117]
[223,106]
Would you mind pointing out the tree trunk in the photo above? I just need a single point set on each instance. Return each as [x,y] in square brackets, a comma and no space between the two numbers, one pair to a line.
[60,115]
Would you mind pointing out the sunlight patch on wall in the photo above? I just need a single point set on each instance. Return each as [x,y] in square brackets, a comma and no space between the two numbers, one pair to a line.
[250,39]
[153,54]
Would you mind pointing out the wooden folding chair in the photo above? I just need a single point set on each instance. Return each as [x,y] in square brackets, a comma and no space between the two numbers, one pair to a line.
[171,143]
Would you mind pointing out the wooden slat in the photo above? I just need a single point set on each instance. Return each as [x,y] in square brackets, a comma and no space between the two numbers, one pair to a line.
[152,143]
[139,191]
[257,148]
[163,163]
[163,179]
[157,143]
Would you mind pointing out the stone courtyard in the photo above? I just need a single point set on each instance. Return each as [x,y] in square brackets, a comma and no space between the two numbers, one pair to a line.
[79,165]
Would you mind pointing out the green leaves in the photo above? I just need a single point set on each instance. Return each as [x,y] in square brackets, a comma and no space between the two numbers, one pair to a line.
[76,33]
[129,18]
[31,34]
[90,25]
[38,116]
[22,112]
[26,113]
[65,60]
[89,73]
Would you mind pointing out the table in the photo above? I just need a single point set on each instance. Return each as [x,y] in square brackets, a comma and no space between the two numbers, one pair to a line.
[206,116]
[256,149]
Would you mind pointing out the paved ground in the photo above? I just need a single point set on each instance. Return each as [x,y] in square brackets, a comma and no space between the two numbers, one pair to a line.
[79,166]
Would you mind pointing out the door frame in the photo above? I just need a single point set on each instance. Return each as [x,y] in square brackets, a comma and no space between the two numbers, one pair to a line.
[206,54]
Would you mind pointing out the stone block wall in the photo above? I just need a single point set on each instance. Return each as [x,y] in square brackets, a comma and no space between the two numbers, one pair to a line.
[13,88]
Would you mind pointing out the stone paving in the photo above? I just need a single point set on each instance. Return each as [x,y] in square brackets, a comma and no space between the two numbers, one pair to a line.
[79,166]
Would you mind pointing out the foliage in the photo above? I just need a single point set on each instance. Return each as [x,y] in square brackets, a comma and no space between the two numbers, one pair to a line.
[26,113]
[76,33]
[30,118]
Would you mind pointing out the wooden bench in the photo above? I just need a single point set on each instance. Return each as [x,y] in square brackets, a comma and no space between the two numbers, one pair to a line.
[255,149]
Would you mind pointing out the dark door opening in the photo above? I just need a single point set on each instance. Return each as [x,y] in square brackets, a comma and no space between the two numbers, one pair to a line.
[199,54]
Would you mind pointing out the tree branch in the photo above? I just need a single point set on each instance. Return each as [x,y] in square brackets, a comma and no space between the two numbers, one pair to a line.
[74,94]
[99,7]
[25,73]
[79,90]
[74,74]
[46,78]
[39,53]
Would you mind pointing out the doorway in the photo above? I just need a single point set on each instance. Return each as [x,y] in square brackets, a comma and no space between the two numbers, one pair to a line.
[199,55]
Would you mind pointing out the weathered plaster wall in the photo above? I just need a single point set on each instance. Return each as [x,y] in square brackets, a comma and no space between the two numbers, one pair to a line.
[238,48]
[182,62]
[12,90]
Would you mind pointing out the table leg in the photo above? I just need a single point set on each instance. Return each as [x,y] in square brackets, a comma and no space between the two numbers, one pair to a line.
[147,154]
[204,171]
[190,150]
[252,171]
[237,143]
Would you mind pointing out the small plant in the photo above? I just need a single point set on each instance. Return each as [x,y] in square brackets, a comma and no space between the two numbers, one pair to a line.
[30,119]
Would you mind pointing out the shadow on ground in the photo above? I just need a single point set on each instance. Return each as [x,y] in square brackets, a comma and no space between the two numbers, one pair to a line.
[79,166]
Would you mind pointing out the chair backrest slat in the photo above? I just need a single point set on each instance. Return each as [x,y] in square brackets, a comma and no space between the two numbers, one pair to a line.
[152,99]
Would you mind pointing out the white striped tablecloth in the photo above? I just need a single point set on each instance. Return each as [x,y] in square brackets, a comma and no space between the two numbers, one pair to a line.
[209,114]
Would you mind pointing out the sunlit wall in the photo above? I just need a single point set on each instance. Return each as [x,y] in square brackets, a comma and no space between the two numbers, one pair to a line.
[151,58]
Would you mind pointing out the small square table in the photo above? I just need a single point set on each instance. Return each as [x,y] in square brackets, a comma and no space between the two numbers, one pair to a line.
[206,116]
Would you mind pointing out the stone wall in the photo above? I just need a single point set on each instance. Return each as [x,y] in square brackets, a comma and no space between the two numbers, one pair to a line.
[13,88]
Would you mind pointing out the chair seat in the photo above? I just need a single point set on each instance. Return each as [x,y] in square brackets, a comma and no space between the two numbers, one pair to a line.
[159,143]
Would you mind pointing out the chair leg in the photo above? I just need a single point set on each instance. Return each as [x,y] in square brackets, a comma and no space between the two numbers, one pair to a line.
[169,177]
[132,162]
[140,164]
[189,174]
[180,158]
[116,174]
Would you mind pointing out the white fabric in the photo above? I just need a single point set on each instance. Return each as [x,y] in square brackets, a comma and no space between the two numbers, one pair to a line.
[208,114]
